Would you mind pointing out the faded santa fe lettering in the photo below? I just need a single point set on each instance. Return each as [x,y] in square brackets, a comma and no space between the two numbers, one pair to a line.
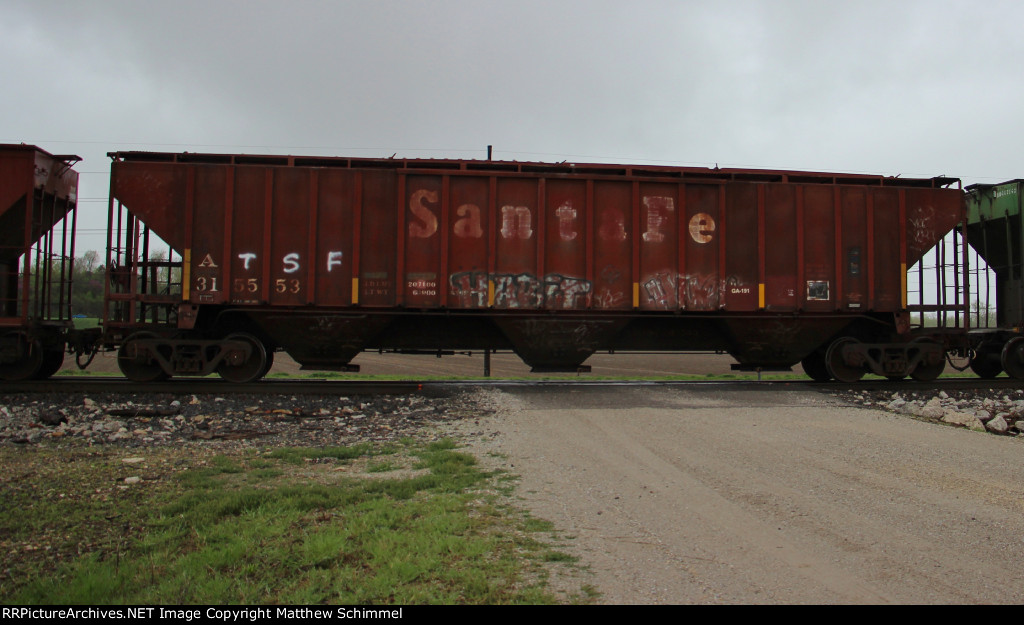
[701,227]
[566,216]
[516,222]
[428,226]
[658,208]
[468,226]
[247,259]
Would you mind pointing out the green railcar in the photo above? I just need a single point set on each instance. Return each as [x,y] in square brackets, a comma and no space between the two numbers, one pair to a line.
[994,230]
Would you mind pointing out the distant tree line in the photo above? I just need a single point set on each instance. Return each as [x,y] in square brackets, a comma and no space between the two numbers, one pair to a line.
[87,288]
[88,276]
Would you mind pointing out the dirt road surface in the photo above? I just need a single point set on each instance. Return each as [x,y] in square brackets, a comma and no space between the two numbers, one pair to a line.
[503,365]
[679,496]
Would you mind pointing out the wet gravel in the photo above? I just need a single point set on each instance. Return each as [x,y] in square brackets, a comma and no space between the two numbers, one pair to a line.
[269,420]
[229,421]
[994,410]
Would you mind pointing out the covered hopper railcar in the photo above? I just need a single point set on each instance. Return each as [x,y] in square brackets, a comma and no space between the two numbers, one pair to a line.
[325,257]
[38,207]
[995,231]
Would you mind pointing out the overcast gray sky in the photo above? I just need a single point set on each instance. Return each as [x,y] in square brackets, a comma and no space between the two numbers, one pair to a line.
[912,88]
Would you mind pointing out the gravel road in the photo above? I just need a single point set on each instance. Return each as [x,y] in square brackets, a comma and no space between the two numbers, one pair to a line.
[679,496]
[683,496]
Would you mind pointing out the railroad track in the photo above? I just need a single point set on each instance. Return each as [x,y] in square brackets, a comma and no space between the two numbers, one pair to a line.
[208,386]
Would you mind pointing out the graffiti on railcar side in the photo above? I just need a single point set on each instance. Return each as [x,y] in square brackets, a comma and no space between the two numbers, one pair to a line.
[606,298]
[818,290]
[695,291]
[565,292]
[734,285]
[521,290]
[470,287]
[661,290]
[611,274]
[922,227]
[517,291]
[700,291]
[664,290]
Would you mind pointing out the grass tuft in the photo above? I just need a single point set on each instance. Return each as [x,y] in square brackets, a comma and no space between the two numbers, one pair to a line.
[280,527]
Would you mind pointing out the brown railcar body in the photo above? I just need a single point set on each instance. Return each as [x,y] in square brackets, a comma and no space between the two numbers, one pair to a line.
[38,201]
[325,257]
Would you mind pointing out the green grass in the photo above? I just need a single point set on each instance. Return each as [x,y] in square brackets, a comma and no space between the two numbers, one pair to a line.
[86,372]
[84,323]
[382,467]
[297,455]
[295,526]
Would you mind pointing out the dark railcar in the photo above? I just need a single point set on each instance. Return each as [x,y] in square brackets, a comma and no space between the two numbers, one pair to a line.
[996,232]
[38,200]
[325,257]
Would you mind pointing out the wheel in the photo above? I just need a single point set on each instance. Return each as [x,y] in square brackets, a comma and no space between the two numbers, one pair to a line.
[814,367]
[53,360]
[238,368]
[986,365]
[27,359]
[1012,358]
[136,365]
[925,372]
[269,365]
[837,366]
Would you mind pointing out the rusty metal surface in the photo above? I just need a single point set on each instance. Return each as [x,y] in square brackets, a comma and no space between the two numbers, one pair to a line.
[285,235]
[513,240]
[38,197]
[27,171]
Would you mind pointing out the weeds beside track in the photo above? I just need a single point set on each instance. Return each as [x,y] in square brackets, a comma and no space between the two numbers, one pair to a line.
[401,523]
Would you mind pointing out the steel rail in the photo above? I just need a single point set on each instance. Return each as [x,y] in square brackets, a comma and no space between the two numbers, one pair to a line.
[71,384]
